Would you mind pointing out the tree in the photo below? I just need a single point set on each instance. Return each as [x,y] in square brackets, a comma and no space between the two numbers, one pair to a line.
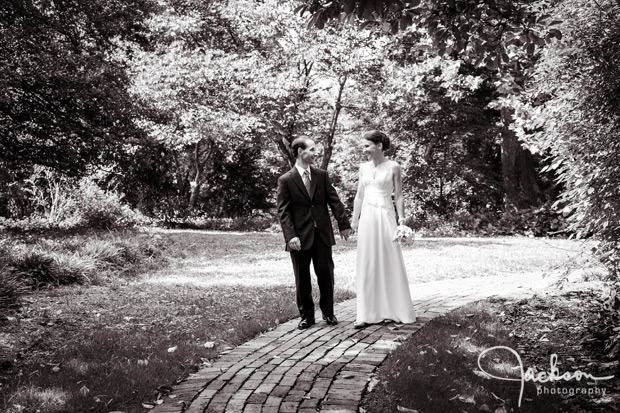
[307,76]
[570,110]
[501,35]
[482,32]
[189,79]
[239,185]
[248,73]
[64,102]
[445,136]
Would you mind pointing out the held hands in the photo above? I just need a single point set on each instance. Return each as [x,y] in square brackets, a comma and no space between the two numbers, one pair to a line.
[353,227]
[345,233]
[295,244]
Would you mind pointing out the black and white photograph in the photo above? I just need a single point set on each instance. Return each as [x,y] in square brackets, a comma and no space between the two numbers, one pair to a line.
[301,206]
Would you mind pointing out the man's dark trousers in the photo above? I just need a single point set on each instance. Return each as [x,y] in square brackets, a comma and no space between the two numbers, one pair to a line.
[321,256]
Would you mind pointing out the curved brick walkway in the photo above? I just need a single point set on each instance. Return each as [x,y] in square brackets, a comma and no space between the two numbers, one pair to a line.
[324,368]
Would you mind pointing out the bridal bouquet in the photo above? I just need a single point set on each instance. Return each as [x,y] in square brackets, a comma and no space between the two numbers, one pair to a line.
[403,234]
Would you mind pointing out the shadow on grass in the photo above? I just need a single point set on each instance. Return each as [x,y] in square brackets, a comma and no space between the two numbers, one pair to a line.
[436,370]
[115,349]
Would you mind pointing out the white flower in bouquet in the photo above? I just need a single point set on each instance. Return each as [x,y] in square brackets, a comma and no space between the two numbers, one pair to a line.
[403,234]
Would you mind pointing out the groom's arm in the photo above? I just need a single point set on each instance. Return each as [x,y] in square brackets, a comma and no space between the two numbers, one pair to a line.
[284,210]
[336,205]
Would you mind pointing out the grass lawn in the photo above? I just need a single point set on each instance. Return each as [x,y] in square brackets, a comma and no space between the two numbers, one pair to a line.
[121,343]
[224,258]
[437,369]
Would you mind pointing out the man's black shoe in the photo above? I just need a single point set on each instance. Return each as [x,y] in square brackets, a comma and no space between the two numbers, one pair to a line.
[331,320]
[305,323]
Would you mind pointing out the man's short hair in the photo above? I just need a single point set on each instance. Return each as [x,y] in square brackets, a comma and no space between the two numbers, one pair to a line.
[301,142]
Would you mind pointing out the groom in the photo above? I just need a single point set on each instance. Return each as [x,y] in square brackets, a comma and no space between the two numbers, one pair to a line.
[303,196]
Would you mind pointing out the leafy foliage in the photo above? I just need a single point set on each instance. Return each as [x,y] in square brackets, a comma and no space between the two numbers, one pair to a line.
[221,76]
[451,147]
[609,319]
[218,90]
[66,203]
[455,94]
[239,185]
[571,111]
[484,33]
[248,224]
[195,79]
[65,103]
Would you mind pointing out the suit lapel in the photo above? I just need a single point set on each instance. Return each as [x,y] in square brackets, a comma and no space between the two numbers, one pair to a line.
[300,183]
[313,180]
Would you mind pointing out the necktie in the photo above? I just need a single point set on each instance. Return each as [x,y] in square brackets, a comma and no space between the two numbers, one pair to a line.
[306,179]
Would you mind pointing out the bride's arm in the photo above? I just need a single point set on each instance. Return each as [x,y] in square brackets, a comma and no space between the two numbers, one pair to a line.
[357,203]
[398,194]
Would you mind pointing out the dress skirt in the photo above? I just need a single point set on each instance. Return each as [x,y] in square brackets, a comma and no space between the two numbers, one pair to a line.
[382,285]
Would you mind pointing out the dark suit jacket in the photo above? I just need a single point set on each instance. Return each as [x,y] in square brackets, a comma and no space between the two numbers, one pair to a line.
[298,210]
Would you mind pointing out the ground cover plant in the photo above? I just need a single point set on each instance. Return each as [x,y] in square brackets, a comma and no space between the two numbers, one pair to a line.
[91,257]
[121,342]
[436,370]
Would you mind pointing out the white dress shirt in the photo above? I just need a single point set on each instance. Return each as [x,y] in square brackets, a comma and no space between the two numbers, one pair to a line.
[302,170]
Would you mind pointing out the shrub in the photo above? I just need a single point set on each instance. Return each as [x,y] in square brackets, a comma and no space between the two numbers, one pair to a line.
[539,222]
[38,269]
[606,326]
[49,194]
[11,288]
[433,225]
[125,255]
[609,254]
[542,221]
[571,112]
[51,261]
[98,209]
[250,223]
[33,223]
[65,203]
[35,269]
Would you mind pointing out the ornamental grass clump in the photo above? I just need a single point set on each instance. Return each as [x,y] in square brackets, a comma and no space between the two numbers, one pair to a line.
[39,269]
[11,289]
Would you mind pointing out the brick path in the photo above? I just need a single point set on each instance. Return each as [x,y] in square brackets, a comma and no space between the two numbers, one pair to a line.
[324,368]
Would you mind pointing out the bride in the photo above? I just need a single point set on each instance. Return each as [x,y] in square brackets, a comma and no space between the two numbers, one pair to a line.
[382,286]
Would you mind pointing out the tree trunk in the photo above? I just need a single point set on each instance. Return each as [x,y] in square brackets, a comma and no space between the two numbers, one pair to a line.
[200,161]
[196,182]
[329,140]
[284,140]
[182,177]
[518,169]
[284,146]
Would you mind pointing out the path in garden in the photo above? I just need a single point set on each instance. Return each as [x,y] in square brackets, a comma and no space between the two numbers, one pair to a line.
[324,368]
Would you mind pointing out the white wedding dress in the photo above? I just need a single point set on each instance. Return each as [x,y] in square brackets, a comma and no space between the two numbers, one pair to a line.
[382,286]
